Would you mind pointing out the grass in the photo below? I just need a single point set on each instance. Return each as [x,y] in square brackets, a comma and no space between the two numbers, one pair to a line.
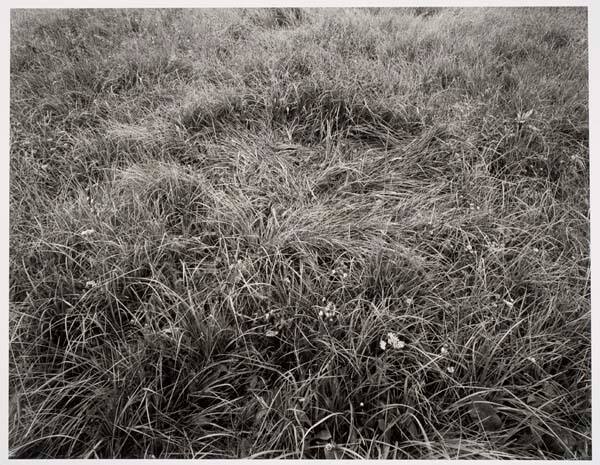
[218,216]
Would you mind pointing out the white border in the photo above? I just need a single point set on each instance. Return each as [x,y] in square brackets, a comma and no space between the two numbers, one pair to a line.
[594,120]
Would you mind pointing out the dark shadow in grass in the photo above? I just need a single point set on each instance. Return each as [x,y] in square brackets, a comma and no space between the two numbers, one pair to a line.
[276,18]
[310,113]
[556,39]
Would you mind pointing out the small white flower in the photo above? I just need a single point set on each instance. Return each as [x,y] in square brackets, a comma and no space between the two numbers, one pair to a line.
[321,313]
[444,351]
[362,404]
[450,369]
[87,232]
[393,340]
[409,301]
[90,284]
[532,360]
[345,275]
[328,447]
[382,344]
[271,333]
[469,247]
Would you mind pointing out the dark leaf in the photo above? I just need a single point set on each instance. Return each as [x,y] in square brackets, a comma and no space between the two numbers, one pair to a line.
[485,414]
[323,435]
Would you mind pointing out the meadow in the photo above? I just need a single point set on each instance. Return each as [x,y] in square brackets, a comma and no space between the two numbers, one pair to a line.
[300,233]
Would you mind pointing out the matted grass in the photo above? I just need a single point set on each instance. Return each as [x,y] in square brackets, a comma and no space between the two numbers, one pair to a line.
[300,234]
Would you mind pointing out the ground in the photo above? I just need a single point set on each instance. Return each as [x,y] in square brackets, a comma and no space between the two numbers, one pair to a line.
[300,234]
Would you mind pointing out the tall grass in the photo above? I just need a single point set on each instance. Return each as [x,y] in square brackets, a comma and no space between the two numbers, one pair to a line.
[219,216]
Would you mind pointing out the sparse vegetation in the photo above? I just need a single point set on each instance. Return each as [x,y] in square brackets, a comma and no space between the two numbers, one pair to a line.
[300,234]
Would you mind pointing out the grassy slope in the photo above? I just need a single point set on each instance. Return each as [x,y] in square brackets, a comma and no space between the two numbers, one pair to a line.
[243,171]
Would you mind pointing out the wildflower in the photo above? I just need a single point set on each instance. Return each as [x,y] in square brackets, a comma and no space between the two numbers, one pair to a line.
[393,340]
[90,284]
[321,313]
[362,404]
[328,447]
[469,248]
[536,250]
[345,275]
[87,232]
[409,301]
[450,369]
[271,333]
[382,344]
[532,360]
[443,351]
[329,310]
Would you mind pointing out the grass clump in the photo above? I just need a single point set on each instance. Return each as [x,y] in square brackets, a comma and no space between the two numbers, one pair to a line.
[300,233]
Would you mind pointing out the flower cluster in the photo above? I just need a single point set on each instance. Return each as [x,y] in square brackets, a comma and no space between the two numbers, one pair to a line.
[329,313]
[393,341]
